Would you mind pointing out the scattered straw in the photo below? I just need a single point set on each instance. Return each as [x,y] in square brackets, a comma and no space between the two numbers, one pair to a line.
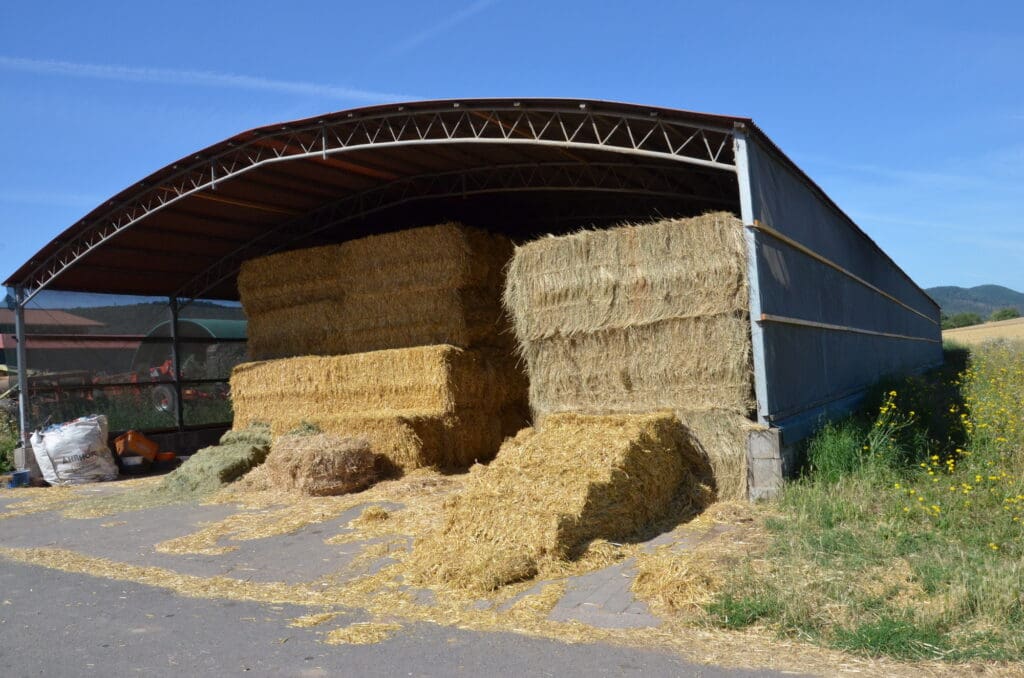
[311,620]
[552,490]
[373,514]
[682,581]
[381,596]
[39,499]
[362,633]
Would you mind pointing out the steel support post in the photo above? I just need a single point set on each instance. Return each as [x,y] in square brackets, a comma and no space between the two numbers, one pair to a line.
[740,142]
[19,332]
[23,366]
[179,405]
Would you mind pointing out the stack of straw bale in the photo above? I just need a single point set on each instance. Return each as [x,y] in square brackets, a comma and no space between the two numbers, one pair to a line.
[552,490]
[423,286]
[399,338]
[638,319]
[424,406]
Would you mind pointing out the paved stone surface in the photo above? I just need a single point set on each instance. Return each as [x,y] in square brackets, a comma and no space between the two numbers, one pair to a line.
[604,599]
[57,624]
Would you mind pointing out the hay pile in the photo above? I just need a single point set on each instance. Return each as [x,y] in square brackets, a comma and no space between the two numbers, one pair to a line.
[638,319]
[211,468]
[433,285]
[423,406]
[552,490]
[321,465]
[366,339]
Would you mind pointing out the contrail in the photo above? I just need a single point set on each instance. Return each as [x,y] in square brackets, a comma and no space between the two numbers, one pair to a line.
[441,26]
[186,78]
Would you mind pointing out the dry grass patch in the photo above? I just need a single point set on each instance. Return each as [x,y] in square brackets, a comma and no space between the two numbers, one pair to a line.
[683,581]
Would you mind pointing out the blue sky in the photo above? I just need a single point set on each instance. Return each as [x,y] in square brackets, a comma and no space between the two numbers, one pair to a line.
[909,114]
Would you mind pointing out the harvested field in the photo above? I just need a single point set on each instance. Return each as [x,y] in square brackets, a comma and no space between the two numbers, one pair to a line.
[977,334]
[321,464]
[423,406]
[640,319]
[433,285]
[553,490]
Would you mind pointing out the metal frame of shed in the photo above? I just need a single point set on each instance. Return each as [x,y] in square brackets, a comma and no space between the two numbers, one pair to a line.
[816,279]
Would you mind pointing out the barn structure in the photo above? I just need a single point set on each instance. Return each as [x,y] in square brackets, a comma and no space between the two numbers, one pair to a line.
[830,312]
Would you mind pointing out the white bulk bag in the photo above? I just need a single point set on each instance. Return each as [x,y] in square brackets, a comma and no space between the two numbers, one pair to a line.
[75,452]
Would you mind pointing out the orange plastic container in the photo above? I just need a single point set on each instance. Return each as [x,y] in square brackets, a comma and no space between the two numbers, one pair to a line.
[166,456]
[133,442]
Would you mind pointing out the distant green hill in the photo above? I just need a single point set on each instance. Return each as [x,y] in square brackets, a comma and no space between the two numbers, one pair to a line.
[982,299]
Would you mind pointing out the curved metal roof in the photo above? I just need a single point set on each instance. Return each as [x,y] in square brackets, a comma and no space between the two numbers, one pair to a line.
[523,166]
[212,328]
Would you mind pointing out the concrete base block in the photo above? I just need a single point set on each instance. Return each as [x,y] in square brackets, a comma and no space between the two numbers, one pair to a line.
[24,459]
[769,463]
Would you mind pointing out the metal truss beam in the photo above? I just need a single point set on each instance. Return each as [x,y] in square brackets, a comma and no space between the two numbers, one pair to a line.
[562,127]
[650,180]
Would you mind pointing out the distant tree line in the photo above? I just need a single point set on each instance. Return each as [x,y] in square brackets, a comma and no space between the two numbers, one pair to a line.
[964,319]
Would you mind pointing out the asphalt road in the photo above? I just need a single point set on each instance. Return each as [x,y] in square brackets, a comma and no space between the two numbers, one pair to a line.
[57,624]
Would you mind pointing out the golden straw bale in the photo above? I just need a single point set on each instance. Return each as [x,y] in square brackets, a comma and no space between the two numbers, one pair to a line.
[690,363]
[627,276]
[552,490]
[423,406]
[440,379]
[321,464]
[355,323]
[433,285]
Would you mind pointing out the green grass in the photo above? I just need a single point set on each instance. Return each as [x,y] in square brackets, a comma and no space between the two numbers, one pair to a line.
[905,537]
[9,440]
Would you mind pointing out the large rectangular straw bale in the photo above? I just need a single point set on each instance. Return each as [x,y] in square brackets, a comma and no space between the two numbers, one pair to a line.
[641,318]
[553,489]
[681,363]
[433,285]
[414,439]
[386,318]
[423,406]
[627,276]
[440,379]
